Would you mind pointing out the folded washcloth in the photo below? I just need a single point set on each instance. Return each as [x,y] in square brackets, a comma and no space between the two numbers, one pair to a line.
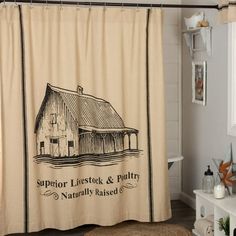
[204,227]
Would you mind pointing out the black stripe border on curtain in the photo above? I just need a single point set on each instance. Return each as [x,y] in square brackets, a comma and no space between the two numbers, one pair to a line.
[25,139]
[150,176]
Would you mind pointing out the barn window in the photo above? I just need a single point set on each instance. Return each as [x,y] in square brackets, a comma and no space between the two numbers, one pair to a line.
[70,143]
[54,140]
[53,118]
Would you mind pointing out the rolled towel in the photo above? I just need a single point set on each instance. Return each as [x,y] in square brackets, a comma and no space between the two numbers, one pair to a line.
[204,227]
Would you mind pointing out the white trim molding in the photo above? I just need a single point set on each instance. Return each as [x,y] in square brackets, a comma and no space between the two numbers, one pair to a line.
[174,196]
[188,200]
[232,79]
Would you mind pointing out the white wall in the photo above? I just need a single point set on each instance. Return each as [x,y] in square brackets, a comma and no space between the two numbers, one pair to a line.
[205,128]
[172,74]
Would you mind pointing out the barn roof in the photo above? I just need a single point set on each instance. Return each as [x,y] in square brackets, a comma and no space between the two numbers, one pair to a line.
[87,111]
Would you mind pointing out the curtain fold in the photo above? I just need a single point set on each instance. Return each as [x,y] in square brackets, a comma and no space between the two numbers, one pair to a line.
[94,103]
[227,11]
[11,136]
[157,118]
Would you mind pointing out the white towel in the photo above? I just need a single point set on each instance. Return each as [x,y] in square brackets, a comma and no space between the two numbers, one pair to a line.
[204,227]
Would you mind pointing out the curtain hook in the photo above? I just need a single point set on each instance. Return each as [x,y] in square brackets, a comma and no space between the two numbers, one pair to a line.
[151,6]
[77,6]
[90,4]
[15,3]
[4,3]
[46,5]
[105,4]
[122,6]
[137,9]
[61,5]
[161,4]
[31,4]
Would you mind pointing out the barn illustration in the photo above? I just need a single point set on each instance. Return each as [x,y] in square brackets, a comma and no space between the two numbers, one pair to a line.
[72,124]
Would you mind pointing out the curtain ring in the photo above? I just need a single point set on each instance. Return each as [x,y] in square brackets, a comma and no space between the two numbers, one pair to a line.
[122,6]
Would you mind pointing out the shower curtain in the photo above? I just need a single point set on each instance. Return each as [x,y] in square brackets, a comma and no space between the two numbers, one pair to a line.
[227,11]
[82,117]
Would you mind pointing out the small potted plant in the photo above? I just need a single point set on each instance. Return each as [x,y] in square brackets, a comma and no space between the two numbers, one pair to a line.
[224,225]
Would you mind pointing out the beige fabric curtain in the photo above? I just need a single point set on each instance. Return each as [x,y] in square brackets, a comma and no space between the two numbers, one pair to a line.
[227,11]
[95,130]
[11,132]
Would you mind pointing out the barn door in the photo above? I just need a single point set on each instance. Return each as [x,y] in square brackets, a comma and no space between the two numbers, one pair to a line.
[54,147]
[70,148]
[42,149]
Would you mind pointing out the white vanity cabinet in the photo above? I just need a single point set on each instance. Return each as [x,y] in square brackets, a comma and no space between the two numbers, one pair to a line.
[206,204]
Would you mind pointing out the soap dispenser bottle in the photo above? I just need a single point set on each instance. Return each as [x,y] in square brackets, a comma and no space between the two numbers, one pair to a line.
[208,181]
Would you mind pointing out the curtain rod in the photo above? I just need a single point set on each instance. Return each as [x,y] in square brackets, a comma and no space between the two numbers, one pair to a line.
[113,4]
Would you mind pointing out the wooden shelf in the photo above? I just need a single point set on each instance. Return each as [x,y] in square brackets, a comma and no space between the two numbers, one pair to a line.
[193,30]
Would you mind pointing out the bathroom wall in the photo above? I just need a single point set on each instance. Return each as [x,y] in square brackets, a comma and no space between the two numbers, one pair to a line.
[204,129]
[172,74]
